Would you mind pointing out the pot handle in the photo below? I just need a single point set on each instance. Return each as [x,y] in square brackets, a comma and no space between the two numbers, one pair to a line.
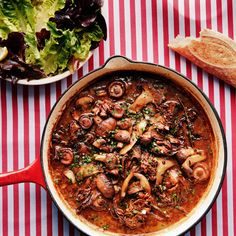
[117,61]
[31,173]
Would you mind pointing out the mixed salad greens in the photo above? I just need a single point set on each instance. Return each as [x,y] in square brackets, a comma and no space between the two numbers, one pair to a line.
[39,38]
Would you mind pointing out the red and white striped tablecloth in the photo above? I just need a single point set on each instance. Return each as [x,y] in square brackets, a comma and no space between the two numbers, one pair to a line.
[140,30]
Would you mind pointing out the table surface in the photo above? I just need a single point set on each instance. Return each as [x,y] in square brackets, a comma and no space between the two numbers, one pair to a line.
[140,30]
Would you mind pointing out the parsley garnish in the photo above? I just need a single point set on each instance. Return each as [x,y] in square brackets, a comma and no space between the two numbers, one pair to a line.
[105,227]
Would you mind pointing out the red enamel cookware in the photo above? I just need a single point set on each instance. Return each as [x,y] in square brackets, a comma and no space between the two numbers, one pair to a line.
[38,171]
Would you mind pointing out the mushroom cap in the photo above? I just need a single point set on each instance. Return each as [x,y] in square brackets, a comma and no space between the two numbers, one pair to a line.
[116,89]
[86,120]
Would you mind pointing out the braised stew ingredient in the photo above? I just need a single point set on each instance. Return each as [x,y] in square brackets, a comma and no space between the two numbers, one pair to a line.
[133,153]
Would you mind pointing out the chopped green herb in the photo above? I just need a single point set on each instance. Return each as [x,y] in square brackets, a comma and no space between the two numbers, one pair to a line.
[87,159]
[175,197]
[105,227]
[134,115]
[162,187]
[156,149]
[113,144]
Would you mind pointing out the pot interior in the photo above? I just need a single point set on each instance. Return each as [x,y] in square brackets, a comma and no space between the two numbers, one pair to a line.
[116,64]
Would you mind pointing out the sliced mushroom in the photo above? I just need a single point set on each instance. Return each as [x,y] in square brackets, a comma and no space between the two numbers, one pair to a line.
[160,150]
[105,127]
[97,119]
[74,127]
[83,148]
[96,110]
[107,148]
[120,145]
[89,137]
[156,135]
[184,153]
[100,157]
[143,99]
[101,93]
[57,154]
[65,155]
[116,89]
[86,171]
[84,102]
[126,184]
[117,188]
[99,142]
[103,112]
[114,172]
[134,187]
[136,152]
[124,123]
[86,120]
[117,111]
[99,204]
[162,167]
[137,132]
[201,172]
[144,182]
[109,159]
[70,175]
[146,138]
[173,140]
[160,122]
[105,186]
[171,106]
[191,160]
[172,178]
[122,136]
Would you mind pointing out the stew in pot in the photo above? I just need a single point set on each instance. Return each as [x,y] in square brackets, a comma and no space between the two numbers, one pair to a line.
[132,153]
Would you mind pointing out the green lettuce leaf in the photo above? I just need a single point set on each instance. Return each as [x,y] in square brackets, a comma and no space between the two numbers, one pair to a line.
[85,38]
[32,55]
[57,51]
[4,30]
[63,44]
[30,17]
[17,15]
[46,10]
[94,33]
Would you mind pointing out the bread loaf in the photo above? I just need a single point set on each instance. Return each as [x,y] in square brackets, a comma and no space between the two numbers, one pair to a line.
[212,51]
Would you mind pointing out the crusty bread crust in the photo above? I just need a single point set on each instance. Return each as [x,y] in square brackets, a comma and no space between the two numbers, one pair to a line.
[212,51]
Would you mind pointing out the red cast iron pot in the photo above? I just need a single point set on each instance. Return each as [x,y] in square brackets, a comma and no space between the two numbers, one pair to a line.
[38,171]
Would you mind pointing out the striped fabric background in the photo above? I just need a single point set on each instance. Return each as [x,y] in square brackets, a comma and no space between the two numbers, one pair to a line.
[140,30]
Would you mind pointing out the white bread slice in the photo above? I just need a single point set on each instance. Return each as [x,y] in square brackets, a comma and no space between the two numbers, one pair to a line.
[212,51]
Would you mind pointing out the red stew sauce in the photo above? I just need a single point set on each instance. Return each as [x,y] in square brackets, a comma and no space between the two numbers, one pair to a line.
[132,153]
